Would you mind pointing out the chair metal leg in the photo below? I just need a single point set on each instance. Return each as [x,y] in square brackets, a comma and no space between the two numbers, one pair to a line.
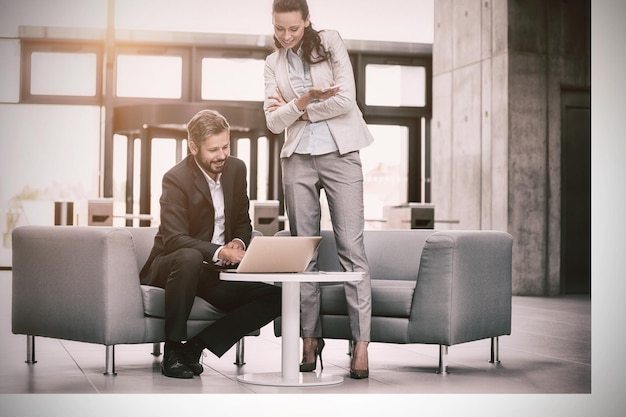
[109,366]
[443,360]
[495,350]
[239,353]
[30,349]
[156,349]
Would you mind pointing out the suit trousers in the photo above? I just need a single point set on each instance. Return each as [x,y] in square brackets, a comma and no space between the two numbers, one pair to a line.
[248,306]
[341,177]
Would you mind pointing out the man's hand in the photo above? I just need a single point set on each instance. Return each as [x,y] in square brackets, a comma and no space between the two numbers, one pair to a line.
[235,244]
[231,256]
[232,253]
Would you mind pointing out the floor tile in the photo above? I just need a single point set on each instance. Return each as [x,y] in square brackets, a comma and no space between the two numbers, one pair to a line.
[548,351]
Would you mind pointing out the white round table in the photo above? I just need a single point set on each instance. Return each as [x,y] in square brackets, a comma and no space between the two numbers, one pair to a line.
[290,375]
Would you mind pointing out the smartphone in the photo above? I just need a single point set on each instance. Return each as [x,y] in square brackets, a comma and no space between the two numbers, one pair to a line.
[332,87]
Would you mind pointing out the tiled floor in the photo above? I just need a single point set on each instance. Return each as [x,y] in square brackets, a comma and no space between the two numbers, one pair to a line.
[548,352]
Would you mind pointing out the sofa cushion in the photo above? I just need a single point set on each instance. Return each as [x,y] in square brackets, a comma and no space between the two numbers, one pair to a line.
[154,305]
[390,298]
[391,254]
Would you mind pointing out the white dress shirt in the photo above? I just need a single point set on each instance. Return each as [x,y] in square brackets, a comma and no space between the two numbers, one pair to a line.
[217,194]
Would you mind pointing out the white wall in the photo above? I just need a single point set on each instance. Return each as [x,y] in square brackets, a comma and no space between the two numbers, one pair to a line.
[391,20]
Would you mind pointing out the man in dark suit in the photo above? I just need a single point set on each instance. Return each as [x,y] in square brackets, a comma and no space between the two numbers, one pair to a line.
[205,225]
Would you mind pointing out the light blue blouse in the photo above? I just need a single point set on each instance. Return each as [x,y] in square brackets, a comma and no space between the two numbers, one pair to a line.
[317,138]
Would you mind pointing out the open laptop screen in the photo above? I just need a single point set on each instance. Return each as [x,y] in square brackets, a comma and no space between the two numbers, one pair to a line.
[279,254]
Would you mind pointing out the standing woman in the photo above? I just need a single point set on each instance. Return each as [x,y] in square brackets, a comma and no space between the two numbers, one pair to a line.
[324,131]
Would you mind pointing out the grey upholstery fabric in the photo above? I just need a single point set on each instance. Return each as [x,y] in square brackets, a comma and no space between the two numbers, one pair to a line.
[434,287]
[393,298]
[154,305]
[400,261]
[82,283]
[77,283]
[463,292]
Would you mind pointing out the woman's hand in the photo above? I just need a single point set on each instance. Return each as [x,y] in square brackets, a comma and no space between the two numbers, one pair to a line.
[323,93]
[279,101]
[314,94]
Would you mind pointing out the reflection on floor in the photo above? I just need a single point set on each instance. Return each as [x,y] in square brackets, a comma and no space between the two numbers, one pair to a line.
[549,351]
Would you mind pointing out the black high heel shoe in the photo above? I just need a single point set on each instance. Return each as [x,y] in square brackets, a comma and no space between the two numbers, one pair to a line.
[358,373]
[310,366]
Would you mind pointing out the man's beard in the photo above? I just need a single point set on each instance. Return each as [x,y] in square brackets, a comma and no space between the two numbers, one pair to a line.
[211,167]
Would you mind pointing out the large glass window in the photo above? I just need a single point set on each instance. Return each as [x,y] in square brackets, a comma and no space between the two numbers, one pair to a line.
[218,82]
[149,76]
[60,73]
[385,171]
[263,168]
[385,175]
[47,154]
[49,74]
[119,177]
[395,85]
[56,57]
[163,159]
[243,153]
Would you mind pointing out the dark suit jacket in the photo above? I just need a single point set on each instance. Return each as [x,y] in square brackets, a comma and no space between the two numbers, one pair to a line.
[187,214]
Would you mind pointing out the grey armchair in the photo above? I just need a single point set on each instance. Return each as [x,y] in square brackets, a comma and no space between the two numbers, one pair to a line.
[430,287]
[82,283]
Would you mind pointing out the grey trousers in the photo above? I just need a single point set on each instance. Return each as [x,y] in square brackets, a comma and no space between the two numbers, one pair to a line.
[341,177]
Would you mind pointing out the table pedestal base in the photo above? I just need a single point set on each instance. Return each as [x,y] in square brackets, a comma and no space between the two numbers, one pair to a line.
[304,379]
[290,328]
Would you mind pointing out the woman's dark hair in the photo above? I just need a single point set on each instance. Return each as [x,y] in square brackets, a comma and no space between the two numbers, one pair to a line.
[311,40]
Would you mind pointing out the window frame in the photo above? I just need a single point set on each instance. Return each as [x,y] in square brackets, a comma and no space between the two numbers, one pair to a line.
[156,50]
[193,49]
[362,60]
[28,47]
[223,52]
[419,178]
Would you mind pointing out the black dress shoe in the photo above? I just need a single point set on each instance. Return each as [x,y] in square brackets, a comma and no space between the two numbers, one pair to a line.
[173,364]
[191,353]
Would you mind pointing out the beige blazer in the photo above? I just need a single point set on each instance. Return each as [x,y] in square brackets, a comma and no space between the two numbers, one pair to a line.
[341,112]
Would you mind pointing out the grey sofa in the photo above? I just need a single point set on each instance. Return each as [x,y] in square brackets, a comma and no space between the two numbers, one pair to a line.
[82,283]
[431,287]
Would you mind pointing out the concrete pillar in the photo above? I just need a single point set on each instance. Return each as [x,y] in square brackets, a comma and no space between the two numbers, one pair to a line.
[498,70]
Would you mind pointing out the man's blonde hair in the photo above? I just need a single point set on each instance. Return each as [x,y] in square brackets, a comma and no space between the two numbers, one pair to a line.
[206,123]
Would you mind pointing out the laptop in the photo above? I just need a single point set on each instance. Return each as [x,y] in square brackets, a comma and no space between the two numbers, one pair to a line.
[279,254]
